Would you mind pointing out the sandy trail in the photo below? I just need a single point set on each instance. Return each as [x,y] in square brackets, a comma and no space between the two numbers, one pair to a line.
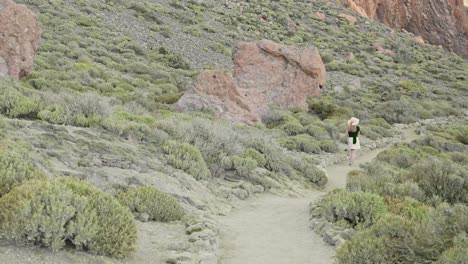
[271,229]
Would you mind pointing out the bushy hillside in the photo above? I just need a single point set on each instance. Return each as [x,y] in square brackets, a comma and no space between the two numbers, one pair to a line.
[407,206]
[98,104]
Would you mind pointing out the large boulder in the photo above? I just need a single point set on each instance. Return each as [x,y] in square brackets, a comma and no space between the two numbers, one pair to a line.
[440,22]
[266,74]
[19,39]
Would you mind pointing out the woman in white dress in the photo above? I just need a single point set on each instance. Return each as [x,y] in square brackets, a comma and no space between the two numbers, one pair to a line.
[352,133]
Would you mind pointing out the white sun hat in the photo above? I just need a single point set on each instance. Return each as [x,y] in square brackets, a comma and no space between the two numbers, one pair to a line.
[353,121]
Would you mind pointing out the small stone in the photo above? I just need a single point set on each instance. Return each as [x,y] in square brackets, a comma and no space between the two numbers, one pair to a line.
[240,193]
[143,217]
[259,189]
[194,228]
[208,258]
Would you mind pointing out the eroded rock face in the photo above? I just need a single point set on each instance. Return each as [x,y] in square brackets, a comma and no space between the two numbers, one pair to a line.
[19,39]
[440,22]
[266,74]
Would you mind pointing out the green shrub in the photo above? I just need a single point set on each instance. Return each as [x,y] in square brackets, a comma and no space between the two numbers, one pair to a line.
[362,249]
[309,170]
[53,213]
[292,128]
[402,157]
[129,125]
[14,104]
[454,255]
[397,111]
[255,155]
[439,231]
[442,178]
[408,208]
[187,158]
[158,205]
[14,167]
[412,89]
[385,242]
[355,208]
[328,146]
[357,181]
[303,143]
[54,114]
[242,165]
[116,233]
[317,131]
[324,108]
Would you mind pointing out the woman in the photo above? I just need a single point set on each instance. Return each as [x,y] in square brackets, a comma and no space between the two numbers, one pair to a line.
[352,132]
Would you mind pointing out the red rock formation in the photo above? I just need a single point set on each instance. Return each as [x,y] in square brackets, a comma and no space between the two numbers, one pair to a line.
[266,73]
[19,39]
[350,19]
[440,22]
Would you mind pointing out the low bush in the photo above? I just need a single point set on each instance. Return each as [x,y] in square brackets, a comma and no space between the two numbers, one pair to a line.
[402,157]
[352,208]
[54,213]
[454,255]
[303,143]
[363,249]
[157,205]
[397,111]
[328,146]
[442,178]
[308,169]
[14,167]
[292,128]
[187,158]
[124,124]
[325,108]
[317,131]
[385,242]
[242,165]
[255,155]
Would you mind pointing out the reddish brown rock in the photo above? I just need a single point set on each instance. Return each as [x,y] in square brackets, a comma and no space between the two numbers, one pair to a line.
[215,91]
[350,19]
[266,74]
[419,40]
[19,39]
[380,47]
[320,16]
[440,22]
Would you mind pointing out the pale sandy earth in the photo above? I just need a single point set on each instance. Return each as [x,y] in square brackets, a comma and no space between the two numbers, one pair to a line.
[271,229]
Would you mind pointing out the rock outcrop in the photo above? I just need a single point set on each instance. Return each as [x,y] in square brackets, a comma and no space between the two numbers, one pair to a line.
[266,74]
[439,22]
[19,39]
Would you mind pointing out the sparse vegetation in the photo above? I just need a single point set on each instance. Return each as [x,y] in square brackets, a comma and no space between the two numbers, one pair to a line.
[148,200]
[100,96]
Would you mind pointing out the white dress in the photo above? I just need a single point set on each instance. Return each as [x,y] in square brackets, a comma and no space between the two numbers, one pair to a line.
[354,146]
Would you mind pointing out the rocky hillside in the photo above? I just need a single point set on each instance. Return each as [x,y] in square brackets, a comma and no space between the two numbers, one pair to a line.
[439,22]
[94,124]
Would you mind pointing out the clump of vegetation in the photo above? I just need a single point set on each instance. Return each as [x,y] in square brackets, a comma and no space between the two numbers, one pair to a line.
[14,166]
[187,158]
[424,189]
[159,206]
[352,208]
[60,211]
[307,168]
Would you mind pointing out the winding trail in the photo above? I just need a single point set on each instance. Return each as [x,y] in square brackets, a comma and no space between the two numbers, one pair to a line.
[272,229]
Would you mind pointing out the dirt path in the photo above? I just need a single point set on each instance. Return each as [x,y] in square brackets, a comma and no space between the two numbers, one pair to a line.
[275,230]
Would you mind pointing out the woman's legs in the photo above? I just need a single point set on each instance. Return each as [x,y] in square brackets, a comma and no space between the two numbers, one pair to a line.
[352,156]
